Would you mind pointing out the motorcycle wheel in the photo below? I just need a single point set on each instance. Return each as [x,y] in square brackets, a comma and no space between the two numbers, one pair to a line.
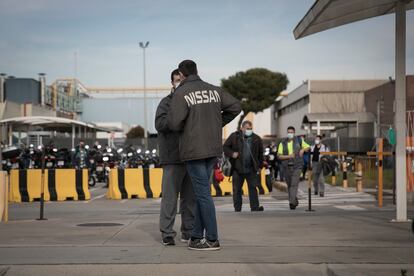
[91,181]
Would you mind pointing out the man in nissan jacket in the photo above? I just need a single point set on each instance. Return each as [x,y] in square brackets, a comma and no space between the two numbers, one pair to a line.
[199,110]
[175,179]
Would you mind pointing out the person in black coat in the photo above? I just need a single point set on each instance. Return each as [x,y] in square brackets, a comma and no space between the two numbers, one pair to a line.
[245,150]
[175,179]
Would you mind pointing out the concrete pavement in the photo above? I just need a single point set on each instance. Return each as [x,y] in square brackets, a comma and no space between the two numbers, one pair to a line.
[346,234]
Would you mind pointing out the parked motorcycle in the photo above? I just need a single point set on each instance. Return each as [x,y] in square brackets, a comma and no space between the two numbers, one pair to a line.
[10,158]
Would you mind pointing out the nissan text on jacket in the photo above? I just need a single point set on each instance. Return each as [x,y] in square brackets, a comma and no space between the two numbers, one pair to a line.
[199,111]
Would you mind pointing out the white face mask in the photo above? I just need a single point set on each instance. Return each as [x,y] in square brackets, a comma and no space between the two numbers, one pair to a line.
[248,132]
[176,85]
[317,142]
[290,135]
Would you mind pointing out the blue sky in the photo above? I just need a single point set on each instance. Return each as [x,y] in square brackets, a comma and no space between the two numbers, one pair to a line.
[223,37]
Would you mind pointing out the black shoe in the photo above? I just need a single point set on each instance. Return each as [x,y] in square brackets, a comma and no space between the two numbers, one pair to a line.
[316,192]
[321,194]
[292,206]
[258,209]
[168,241]
[296,202]
[237,209]
[203,245]
[185,238]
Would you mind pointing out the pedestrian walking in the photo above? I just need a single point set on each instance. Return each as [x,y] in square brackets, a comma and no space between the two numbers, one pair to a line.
[290,152]
[198,111]
[175,179]
[245,150]
[317,170]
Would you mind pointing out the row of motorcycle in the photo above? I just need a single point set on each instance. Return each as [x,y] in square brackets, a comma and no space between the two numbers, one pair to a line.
[98,160]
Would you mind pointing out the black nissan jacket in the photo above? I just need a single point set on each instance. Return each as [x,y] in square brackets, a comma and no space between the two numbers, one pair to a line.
[235,144]
[167,139]
[198,111]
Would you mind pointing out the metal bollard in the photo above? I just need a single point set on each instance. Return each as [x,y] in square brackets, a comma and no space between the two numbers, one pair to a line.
[344,175]
[358,177]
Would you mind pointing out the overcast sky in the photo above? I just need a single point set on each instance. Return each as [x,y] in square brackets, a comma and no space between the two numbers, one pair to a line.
[223,37]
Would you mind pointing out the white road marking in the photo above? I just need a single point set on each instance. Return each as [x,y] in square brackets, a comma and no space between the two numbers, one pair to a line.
[92,199]
[350,208]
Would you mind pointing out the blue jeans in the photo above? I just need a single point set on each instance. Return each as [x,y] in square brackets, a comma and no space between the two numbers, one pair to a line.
[205,212]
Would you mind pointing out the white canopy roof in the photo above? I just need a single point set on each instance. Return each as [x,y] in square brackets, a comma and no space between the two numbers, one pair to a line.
[51,122]
[327,14]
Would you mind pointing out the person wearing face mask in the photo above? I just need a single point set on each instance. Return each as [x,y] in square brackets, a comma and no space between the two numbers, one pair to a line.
[175,179]
[317,172]
[290,152]
[245,150]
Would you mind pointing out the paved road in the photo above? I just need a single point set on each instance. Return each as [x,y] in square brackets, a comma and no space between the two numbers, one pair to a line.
[346,235]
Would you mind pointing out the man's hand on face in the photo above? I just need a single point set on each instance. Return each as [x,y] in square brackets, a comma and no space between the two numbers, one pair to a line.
[235,155]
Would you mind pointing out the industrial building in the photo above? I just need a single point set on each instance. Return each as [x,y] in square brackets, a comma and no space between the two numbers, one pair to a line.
[339,108]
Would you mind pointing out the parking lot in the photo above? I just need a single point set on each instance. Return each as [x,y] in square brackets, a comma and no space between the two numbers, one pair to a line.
[102,236]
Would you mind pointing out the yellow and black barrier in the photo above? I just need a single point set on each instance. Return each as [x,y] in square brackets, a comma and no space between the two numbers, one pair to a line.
[4,211]
[59,185]
[226,186]
[134,183]
[147,183]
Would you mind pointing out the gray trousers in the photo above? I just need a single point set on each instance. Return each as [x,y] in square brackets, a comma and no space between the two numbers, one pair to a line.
[317,177]
[292,176]
[176,181]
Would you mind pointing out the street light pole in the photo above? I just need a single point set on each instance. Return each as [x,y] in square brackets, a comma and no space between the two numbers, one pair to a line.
[144,46]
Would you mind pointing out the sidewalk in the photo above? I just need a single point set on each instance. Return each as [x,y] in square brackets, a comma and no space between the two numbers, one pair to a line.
[346,233]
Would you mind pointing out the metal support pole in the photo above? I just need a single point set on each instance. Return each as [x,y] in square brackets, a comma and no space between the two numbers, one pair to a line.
[10,134]
[42,192]
[318,128]
[358,177]
[27,136]
[380,147]
[73,136]
[310,186]
[400,110]
[144,46]
[344,175]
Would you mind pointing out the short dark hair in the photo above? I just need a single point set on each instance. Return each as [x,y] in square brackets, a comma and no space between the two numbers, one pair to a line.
[174,73]
[188,67]
[319,136]
[247,122]
[292,128]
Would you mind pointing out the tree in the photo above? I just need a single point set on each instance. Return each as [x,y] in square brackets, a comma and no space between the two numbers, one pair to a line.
[135,132]
[256,88]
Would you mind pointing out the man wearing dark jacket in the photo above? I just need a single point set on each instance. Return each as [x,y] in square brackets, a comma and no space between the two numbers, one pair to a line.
[175,179]
[245,150]
[199,110]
